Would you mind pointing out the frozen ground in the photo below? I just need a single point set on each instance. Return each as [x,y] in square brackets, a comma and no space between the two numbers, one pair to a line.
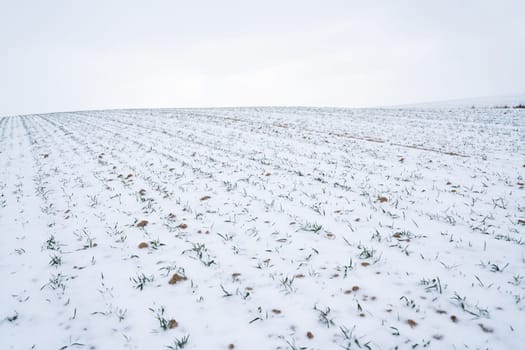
[278,228]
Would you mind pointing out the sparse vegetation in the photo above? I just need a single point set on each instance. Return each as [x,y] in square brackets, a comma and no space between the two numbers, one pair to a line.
[237,219]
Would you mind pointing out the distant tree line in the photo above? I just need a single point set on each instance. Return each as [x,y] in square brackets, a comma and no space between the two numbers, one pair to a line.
[506,106]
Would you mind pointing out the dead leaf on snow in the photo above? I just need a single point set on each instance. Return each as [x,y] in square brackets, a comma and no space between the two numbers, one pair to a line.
[142,223]
[177,278]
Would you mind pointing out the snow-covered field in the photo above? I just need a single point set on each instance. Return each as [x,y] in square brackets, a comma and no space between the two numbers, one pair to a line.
[263,228]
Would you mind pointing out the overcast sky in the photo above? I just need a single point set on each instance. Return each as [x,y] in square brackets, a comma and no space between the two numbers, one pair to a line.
[59,55]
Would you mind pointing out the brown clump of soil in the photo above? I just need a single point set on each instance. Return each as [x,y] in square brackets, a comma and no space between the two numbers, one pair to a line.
[382,199]
[143,245]
[231,346]
[355,288]
[142,223]
[183,226]
[177,278]
[309,335]
[172,324]
[412,323]
[276,311]
[205,198]
[454,318]
[365,264]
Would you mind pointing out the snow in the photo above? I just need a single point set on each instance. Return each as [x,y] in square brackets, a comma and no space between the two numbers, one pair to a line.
[288,228]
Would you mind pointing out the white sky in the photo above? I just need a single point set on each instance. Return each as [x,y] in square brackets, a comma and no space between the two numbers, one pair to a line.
[58,55]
